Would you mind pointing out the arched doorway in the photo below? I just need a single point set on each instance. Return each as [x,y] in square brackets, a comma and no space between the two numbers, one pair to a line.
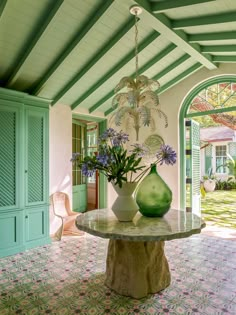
[219,109]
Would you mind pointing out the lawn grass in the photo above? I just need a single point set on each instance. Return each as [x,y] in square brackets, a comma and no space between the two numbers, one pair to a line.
[219,208]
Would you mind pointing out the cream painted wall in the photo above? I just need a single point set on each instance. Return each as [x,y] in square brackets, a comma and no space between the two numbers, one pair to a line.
[60,149]
[171,101]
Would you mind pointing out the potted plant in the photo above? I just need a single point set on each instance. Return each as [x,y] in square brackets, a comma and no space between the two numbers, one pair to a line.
[209,181]
[124,169]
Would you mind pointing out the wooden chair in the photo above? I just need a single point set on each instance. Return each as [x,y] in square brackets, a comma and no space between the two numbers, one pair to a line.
[61,209]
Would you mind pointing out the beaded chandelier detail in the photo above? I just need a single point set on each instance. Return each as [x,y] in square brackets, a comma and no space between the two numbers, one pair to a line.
[138,98]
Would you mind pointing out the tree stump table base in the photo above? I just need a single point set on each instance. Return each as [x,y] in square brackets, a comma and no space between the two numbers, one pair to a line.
[136,269]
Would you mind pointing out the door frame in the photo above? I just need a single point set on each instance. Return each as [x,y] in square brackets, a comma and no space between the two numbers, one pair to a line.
[102,182]
[182,130]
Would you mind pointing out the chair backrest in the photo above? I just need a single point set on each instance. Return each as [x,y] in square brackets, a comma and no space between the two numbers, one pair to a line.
[61,204]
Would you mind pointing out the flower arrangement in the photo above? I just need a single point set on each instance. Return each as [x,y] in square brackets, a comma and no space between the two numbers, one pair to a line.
[116,163]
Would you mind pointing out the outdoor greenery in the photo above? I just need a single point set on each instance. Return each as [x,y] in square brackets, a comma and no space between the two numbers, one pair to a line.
[219,208]
[228,184]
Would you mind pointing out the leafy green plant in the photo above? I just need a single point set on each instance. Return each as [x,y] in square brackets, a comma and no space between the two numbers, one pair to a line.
[228,184]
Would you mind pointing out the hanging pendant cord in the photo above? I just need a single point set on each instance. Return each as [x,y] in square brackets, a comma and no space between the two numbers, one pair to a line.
[136,45]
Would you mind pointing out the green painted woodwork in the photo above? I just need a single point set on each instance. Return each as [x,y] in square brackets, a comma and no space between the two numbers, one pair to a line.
[79,192]
[224,59]
[2,6]
[171,67]
[162,24]
[23,172]
[193,38]
[180,77]
[218,48]
[213,111]
[102,192]
[208,158]
[183,114]
[8,157]
[85,28]
[35,172]
[11,235]
[116,68]
[45,20]
[204,20]
[99,54]
[35,224]
[79,197]
[145,67]
[172,4]
[195,196]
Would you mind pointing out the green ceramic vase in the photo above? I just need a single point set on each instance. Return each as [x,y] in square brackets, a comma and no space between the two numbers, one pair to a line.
[153,196]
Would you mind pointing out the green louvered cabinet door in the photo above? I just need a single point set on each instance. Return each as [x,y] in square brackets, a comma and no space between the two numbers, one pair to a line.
[36,177]
[24,188]
[11,213]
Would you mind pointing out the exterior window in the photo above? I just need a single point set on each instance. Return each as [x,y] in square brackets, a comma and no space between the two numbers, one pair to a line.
[78,145]
[92,134]
[221,157]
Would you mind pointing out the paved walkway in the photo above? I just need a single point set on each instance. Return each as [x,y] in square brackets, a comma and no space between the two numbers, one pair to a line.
[218,231]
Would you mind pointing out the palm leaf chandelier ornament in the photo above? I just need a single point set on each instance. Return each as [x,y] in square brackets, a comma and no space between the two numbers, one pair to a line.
[138,99]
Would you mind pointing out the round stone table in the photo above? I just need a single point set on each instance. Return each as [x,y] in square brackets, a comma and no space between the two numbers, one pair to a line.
[136,264]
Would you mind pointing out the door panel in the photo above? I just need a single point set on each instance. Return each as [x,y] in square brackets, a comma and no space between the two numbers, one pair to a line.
[11,236]
[35,164]
[193,177]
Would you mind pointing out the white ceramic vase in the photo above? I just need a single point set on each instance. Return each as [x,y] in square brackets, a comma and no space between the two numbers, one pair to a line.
[125,207]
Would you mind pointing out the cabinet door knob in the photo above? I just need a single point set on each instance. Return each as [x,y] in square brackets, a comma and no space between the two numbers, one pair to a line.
[26,217]
[26,171]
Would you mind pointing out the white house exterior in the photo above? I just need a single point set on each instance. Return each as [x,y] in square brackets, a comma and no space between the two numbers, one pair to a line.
[217,144]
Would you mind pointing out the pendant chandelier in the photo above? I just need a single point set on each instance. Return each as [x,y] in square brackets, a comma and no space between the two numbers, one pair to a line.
[138,100]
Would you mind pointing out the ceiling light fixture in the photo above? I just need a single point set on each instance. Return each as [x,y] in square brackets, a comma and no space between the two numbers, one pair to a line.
[138,98]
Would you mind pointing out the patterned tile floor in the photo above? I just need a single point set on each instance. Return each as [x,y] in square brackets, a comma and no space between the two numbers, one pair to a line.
[67,278]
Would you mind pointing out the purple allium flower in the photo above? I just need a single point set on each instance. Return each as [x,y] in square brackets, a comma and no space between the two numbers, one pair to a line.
[109,133]
[166,155]
[103,159]
[88,169]
[119,139]
[139,149]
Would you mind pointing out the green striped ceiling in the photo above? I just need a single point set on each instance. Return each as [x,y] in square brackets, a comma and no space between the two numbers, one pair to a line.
[75,51]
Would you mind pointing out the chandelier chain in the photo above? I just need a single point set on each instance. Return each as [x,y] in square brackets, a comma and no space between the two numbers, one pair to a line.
[136,44]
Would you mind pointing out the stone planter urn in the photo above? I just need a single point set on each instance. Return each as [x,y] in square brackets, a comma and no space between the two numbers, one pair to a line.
[209,185]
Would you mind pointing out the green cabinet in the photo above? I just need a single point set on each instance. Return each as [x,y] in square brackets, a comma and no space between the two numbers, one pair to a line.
[24,188]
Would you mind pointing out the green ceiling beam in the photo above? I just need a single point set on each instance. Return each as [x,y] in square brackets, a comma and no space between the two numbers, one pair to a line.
[193,38]
[224,58]
[36,34]
[116,68]
[109,44]
[163,25]
[179,77]
[218,48]
[171,67]
[145,67]
[89,23]
[2,6]
[204,20]
[173,4]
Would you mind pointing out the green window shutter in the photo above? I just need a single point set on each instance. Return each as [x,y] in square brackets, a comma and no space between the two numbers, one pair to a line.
[232,149]
[7,158]
[208,158]
[232,152]
[195,138]
[35,148]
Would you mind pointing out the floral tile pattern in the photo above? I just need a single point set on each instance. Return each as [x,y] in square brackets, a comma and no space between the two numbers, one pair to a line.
[67,277]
